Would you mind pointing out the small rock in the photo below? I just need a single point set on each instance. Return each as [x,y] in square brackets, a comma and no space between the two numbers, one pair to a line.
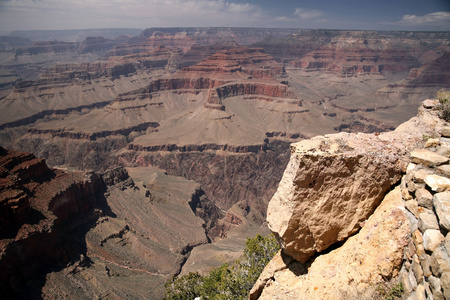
[420,292]
[438,183]
[420,175]
[427,158]
[427,220]
[438,295]
[430,103]
[445,283]
[426,267]
[441,202]
[443,150]
[445,131]
[411,186]
[406,195]
[424,198]
[417,269]
[432,143]
[412,206]
[417,238]
[408,283]
[435,283]
[440,261]
[431,239]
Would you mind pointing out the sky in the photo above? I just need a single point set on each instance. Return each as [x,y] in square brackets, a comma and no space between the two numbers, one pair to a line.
[426,15]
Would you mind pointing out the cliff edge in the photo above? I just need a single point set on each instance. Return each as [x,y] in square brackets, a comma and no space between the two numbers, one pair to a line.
[355,211]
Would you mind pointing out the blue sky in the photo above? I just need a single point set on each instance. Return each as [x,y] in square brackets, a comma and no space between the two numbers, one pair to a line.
[326,14]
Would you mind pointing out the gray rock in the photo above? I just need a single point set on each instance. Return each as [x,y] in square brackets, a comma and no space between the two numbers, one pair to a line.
[435,283]
[441,202]
[424,198]
[445,283]
[408,282]
[443,150]
[428,220]
[440,261]
[431,239]
[425,262]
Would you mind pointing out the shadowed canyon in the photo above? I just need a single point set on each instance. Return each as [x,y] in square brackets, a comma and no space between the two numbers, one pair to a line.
[126,159]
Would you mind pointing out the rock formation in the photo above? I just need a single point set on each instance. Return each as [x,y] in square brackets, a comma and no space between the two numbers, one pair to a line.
[338,185]
[219,108]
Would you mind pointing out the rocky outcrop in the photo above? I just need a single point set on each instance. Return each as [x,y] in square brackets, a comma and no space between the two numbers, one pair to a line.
[39,206]
[325,197]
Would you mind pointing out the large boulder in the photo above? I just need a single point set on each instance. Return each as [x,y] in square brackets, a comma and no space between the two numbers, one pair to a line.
[331,185]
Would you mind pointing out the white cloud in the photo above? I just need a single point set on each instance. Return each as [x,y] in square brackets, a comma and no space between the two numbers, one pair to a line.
[437,20]
[308,14]
[63,14]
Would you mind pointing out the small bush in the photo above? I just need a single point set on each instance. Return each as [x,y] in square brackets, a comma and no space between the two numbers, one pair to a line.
[444,104]
[227,281]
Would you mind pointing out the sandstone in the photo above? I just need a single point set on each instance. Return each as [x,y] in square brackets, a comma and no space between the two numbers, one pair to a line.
[420,175]
[438,183]
[441,202]
[431,239]
[412,206]
[427,158]
[432,143]
[417,238]
[443,150]
[424,198]
[405,194]
[445,131]
[330,185]
[417,269]
[427,220]
[363,260]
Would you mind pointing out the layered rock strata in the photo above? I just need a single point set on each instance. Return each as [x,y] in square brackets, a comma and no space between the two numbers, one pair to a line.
[395,241]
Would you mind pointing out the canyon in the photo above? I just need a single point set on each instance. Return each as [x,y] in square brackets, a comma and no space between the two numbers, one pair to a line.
[179,138]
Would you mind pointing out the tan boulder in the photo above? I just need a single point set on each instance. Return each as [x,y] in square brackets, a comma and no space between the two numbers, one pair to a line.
[331,185]
[352,270]
[427,158]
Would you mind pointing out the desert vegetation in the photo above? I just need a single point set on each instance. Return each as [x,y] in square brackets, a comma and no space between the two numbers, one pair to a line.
[227,281]
[443,96]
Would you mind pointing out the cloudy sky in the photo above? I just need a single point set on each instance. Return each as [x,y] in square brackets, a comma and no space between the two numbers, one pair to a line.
[328,14]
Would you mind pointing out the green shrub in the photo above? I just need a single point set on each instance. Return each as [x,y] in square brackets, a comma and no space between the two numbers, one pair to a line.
[227,281]
[444,104]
